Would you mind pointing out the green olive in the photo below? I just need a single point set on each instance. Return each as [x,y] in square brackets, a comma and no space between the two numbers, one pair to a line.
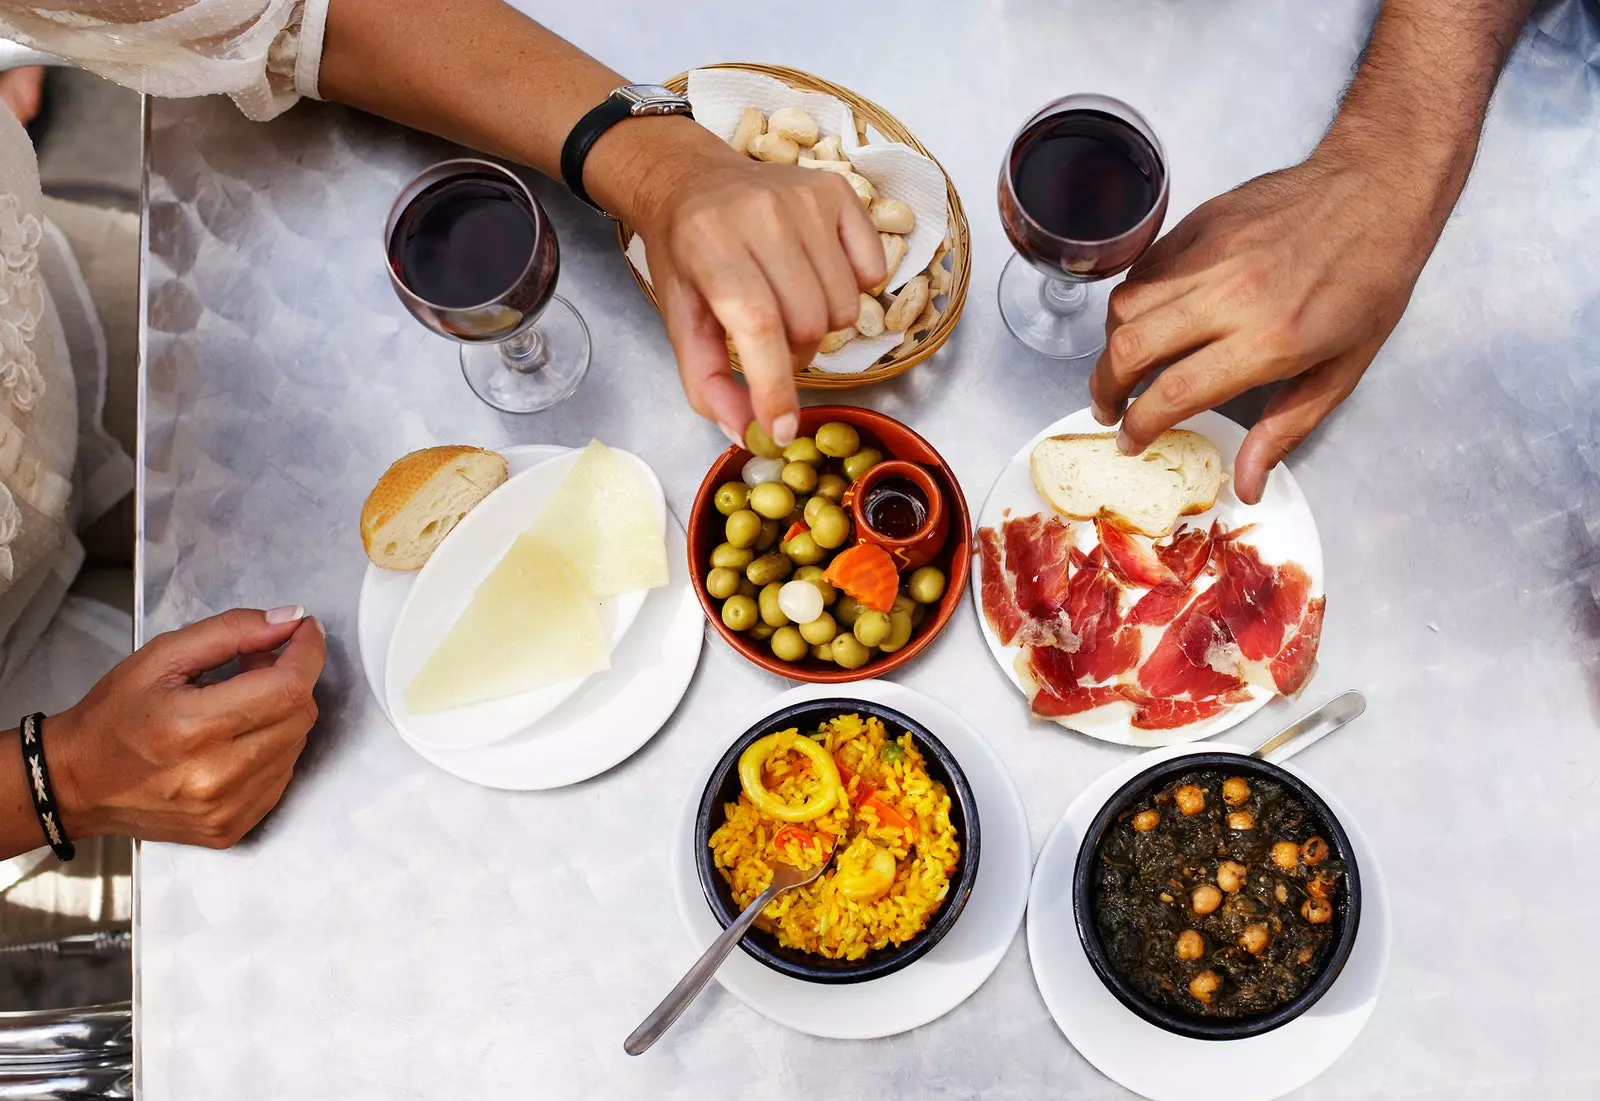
[762,631]
[831,529]
[739,613]
[899,632]
[849,652]
[813,574]
[770,530]
[803,550]
[731,497]
[838,440]
[771,612]
[832,487]
[814,505]
[787,645]
[767,569]
[861,462]
[800,477]
[722,582]
[742,528]
[819,630]
[926,585]
[846,609]
[823,651]
[731,557]
[748,588]
[774,500]
[871,627]
[803,450]
[757,440]
[903,603]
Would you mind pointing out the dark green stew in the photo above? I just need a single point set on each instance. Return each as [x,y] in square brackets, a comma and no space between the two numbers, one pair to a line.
[1216,895]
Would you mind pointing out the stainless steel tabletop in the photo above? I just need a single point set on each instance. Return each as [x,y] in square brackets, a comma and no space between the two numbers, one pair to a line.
[391,932]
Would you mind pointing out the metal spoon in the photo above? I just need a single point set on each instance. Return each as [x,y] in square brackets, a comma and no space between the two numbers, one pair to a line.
[784,877]
[1316,724]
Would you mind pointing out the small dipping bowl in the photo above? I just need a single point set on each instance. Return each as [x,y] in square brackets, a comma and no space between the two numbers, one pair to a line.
[921,546]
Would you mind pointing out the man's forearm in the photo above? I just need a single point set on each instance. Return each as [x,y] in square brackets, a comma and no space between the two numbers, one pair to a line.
[1415,108]
[480,73]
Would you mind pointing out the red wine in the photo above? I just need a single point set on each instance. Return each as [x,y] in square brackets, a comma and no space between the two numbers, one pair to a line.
[465,241]
[1078,191]
[895,508]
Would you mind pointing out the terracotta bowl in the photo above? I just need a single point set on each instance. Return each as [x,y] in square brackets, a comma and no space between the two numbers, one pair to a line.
[924,545]
[896,441]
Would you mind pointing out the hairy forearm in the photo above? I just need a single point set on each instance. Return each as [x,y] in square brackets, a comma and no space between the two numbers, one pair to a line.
[480,73]
[1415,108]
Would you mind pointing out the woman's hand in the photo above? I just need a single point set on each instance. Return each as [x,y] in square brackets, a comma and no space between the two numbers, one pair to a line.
[767,256]
[150,754]
[1298,275]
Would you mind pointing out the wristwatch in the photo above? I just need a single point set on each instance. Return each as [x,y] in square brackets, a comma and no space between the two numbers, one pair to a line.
[629,101]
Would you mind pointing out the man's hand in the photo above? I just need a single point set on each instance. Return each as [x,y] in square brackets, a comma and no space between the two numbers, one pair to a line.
[150,754]
[1297,276]
[1300,276]
[769,257]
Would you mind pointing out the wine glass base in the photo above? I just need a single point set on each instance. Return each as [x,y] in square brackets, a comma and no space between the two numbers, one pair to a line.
[510,390]
[1060,330]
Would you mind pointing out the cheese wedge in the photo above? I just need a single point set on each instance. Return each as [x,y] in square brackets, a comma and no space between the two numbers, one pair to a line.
[605,521]
[529,625]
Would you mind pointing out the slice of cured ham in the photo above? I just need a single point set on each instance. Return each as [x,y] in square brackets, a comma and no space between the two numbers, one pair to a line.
[1136,564]
[1038,557]
[1153,714]
[1179,666]
[1159,605]
[1106,648]
[1294,662]
[1051,679]
[1186,554]
[1260,603]
[999,602]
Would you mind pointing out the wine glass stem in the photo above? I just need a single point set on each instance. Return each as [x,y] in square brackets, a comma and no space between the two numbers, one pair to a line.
[1063,297]
[526,352]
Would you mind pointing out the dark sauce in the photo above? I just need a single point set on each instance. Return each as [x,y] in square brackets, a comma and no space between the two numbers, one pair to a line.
[896,508]
[1143,889]
[464,241]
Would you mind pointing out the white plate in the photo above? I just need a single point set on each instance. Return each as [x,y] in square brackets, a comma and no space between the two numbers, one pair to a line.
[444,587]
[953,968]
[1284,531]
[615,713]
[1153,1062]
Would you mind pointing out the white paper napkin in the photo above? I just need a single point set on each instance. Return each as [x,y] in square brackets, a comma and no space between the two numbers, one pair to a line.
[896,171]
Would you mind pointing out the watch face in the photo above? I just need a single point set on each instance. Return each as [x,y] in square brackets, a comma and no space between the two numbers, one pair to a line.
[653,99]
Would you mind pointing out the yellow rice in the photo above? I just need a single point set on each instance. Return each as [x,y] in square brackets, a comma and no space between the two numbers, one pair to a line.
[818,918]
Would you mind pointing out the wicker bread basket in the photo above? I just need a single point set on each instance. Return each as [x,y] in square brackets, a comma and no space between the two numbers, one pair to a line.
[867,114]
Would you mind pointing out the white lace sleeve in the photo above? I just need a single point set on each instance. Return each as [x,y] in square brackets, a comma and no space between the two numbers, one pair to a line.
[263,53]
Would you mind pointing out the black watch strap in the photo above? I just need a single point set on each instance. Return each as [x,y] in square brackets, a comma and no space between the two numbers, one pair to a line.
[575,151]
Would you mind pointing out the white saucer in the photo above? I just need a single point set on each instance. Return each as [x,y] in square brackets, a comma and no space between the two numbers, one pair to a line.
[1284,531]
[608,720]
[1153,1062]
[955,967]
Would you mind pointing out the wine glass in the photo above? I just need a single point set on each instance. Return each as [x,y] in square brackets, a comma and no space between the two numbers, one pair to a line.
[1083,192]
[473,256]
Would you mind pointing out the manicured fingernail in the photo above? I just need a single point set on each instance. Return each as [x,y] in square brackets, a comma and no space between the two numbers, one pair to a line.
[289,613]
[784,428]
[1124,444]
[733,437]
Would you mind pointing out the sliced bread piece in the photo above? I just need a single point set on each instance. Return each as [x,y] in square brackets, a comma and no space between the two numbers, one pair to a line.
[421,498]
[1084,476]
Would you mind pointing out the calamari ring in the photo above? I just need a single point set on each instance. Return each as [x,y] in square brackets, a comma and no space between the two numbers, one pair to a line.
[752,760]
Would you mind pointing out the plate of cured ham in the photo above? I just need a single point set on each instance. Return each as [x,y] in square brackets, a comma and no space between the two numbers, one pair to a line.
[1145,641]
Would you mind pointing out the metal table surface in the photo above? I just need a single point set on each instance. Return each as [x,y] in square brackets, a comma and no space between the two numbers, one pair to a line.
[391,932]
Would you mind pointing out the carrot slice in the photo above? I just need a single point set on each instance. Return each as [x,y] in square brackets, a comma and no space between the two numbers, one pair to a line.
[796,528]
[866,572]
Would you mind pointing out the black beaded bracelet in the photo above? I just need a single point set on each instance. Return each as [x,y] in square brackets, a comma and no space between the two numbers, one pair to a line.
[37,775]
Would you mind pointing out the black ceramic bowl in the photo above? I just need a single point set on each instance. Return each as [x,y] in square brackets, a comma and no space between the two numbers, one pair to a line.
[723,788]
[1347,906]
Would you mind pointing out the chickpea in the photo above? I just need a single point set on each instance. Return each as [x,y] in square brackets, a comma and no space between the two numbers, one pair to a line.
[1205,898]
[1254,938]
[1321,887]
[1165,897]
[1304,955]
[1191,800]
[1231,875]
[1316,911]
[1241,820]
[1235,790]
[1190,946]
[1203,985]
[1314,851]
[1286,855]
[1281,893]
[1146,820]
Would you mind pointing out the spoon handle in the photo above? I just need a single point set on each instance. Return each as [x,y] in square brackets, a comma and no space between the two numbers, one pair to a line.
[689,987]
[1315,724]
